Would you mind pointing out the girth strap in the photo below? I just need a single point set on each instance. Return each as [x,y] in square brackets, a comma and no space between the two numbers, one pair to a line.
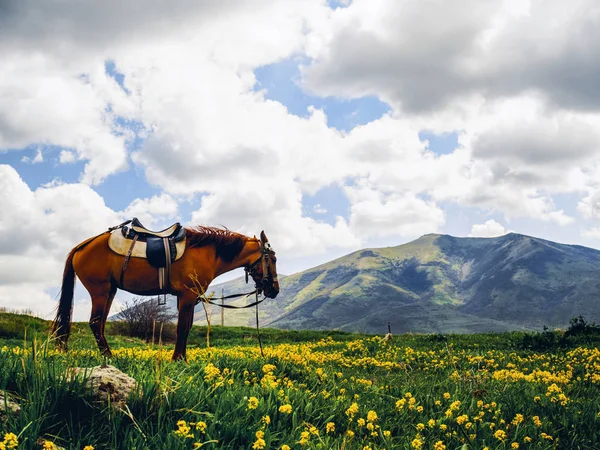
[127,256]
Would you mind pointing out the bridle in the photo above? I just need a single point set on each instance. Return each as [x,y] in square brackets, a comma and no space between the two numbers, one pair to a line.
[267,258]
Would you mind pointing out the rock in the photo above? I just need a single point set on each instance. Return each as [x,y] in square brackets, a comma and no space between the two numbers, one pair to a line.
[9,406]
[107,382]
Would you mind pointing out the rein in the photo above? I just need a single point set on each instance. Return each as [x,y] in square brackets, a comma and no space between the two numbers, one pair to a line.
[248,269]
[255,303]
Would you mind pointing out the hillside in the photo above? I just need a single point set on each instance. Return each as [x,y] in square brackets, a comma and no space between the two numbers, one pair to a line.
[437,283]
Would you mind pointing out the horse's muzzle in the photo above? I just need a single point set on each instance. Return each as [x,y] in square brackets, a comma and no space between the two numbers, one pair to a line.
[272,290]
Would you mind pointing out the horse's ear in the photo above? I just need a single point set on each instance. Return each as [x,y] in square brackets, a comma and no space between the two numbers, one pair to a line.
[263,237]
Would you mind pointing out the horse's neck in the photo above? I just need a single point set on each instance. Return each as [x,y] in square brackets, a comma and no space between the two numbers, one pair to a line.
[249,253]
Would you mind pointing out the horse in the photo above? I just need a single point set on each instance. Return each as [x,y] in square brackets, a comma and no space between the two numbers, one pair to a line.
[209,252]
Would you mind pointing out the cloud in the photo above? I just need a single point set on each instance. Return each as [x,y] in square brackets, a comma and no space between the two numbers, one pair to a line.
[319,209]
[66,157]
[152,210]
[39,157]
[490,228]
[276,208]
[37,229]
[395,214]
[422,56]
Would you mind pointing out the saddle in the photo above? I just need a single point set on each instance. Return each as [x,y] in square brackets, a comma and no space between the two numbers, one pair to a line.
[160,248]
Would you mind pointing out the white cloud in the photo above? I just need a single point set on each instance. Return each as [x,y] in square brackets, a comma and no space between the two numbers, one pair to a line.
[395,214]
[319,209]
[152,210]
[423,56]
[37,230]
[276,208]
[66,157]
[490,228]
[38,158]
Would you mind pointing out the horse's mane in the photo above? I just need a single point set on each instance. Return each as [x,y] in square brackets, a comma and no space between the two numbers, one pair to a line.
[228,244]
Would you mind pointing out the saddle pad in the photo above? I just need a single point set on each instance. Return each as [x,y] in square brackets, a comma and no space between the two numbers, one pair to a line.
[120,245]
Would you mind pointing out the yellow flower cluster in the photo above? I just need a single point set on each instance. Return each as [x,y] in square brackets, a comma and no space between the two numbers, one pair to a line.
[286,409]
[260,442]
[252,403]
[10,441]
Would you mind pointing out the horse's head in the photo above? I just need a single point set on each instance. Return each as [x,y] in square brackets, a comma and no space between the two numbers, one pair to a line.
[264,270]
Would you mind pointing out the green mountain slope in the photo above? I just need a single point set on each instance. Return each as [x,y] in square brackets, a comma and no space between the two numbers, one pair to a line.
[439,283]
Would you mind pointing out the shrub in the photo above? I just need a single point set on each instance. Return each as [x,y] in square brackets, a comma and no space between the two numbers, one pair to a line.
[146,319]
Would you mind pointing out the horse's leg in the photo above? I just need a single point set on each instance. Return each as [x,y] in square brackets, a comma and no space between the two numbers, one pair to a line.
[101,301]
[185,304]
[111,296]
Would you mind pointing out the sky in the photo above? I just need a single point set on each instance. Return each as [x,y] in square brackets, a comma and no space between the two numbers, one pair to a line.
[331,125]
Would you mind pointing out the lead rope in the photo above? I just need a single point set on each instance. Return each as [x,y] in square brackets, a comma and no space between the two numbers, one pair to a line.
[258,328]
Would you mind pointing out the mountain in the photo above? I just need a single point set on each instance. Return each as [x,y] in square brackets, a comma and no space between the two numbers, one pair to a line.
[436,284]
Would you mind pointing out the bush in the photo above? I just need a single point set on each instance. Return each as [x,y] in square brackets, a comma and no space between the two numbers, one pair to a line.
[579,332]
[148,320]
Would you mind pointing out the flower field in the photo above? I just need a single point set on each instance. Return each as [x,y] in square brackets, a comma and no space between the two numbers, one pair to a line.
[357,392]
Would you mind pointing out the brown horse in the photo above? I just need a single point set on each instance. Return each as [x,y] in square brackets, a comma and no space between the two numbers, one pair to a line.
[209,253]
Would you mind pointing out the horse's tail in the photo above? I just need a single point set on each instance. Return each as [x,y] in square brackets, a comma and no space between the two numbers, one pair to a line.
[61,326]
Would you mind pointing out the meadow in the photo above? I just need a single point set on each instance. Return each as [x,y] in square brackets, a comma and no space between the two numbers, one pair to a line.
[310,390]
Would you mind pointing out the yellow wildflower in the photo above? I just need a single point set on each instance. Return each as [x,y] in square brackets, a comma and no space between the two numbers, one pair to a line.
[286,409]
[417,443]
[350,412]
[260,442]
[304,438]
[285,447]
[330,427]
[462,419]
[514,445]
[439,445]
[11,440]
[269,368]
[371,416]
[47,445]
[252,403]
[446,395]
[266,420]
[500,435]
[183,429]
[88,447]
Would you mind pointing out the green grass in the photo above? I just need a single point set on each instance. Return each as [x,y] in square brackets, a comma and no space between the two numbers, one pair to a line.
[320,374]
